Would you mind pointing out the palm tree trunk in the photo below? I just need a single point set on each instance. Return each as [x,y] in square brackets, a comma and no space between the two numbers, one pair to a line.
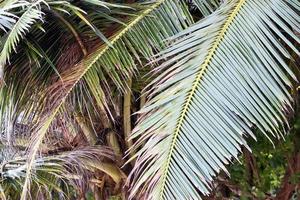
[87,130]
[127,117]
[293,167]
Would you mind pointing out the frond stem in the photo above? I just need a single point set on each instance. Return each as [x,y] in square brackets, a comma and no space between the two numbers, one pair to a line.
[127,118]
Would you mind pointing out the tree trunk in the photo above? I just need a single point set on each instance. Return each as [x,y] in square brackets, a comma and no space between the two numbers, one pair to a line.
[251,167]
[293,167]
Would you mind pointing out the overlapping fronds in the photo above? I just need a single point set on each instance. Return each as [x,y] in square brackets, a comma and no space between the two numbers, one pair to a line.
[44,52]
[27,23]
[73,168]
[115,63]
[223,77]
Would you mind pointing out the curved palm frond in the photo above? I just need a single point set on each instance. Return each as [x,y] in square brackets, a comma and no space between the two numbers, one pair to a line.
[142,37]
[72,168]
[223,77]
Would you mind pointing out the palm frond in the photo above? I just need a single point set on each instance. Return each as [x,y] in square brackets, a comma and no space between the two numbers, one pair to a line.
[222,78]
[9,22]
[20,28]
[72,168]
[142,37]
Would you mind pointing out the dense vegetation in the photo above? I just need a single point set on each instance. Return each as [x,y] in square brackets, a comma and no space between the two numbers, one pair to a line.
[149,99]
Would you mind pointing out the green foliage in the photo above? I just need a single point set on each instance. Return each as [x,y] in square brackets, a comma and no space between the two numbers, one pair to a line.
[271,163]
[71,73]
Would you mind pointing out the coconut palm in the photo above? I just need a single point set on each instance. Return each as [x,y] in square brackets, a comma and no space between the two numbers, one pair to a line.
[74,72]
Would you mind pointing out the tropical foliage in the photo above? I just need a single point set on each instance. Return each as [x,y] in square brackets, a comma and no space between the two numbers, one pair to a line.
[161,95]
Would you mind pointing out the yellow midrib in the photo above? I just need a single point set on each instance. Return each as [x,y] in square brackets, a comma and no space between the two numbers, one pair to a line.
[197,80]
[45,127]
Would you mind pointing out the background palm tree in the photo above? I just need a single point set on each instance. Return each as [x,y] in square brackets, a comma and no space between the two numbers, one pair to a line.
[72,74]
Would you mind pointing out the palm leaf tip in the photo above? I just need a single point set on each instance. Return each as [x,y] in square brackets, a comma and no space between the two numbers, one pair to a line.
[198,116]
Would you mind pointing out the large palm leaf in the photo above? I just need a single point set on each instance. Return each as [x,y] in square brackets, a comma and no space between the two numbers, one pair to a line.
[222,78]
